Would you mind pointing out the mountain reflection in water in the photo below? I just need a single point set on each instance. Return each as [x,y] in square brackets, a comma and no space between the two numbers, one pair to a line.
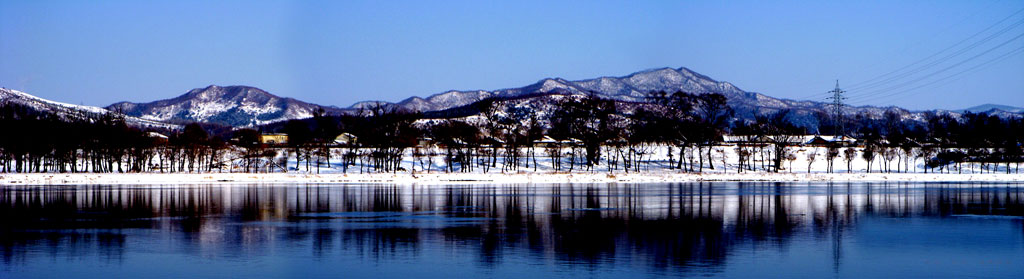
[608,230]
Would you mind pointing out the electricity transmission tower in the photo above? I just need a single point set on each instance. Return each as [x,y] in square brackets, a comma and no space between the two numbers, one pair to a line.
[837,109]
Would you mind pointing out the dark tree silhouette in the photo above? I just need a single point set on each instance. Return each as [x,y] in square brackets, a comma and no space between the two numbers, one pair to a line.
[586,119]
[299,136]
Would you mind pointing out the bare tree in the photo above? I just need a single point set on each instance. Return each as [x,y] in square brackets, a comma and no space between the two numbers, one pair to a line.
[830,155]
[812,155]
[869,152]
[848,155]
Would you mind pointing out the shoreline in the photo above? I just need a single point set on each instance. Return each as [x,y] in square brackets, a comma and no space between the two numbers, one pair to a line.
[480,178]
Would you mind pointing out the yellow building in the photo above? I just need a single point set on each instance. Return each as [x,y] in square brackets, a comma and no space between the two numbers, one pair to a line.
[275,138]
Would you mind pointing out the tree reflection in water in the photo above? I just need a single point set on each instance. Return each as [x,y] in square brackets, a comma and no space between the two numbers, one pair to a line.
[674,227]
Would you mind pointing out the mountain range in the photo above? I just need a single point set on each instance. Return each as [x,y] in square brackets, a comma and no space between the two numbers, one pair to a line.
[634,87]
[241,106]
[249,106]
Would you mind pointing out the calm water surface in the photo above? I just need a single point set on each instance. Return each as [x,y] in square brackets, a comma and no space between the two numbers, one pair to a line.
[514,231]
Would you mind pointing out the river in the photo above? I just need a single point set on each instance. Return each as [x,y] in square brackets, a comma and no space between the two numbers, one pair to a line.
[651,230]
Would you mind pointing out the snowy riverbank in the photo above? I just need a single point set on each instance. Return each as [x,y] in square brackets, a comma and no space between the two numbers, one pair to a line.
[655,166]
[442,178]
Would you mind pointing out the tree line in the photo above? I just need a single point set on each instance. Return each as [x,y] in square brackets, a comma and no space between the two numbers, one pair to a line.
[45,142]
[572,132]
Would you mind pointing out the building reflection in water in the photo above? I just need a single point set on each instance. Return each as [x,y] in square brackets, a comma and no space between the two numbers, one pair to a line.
[675,227]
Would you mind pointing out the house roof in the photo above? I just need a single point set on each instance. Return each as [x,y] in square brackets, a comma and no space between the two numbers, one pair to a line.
[572,140]
[345,138]
[801,139]
[156,135]
[845,139]
[546,139]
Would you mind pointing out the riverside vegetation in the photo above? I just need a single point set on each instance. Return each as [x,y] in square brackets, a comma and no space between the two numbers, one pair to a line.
[671,131]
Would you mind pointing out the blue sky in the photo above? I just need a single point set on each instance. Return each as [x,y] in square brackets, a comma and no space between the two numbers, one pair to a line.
[341,52]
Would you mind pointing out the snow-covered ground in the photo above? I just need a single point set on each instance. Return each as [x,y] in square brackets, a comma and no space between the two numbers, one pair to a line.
[655,168]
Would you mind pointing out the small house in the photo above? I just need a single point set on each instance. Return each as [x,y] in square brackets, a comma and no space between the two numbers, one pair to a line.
[453,143]
[157,137]
[546,142]
[745,139]
[733,139]
[571,142]
[819,140]
[425,142]
[274,138]
[345,139]
[490,141]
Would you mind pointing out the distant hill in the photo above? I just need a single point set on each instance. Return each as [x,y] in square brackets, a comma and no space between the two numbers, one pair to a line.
[993,108]
[237,106]
[73,112]
[634,87]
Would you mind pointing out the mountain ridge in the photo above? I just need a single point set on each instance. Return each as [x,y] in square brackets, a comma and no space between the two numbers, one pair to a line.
[632,87]
[71,111]
[635,86]
[246,106]
[993,108]
[235,105]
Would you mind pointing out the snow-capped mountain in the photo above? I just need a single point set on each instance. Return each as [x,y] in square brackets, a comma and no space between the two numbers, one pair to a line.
[236,106]
[248,106]
[70,111]
[634,88]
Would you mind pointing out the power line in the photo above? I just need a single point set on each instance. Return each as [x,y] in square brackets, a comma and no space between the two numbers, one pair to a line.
[940,60]
[935,34]
[919,42]
[930,63]
[881,91]
[874,80]
[946,79]
[864,92]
